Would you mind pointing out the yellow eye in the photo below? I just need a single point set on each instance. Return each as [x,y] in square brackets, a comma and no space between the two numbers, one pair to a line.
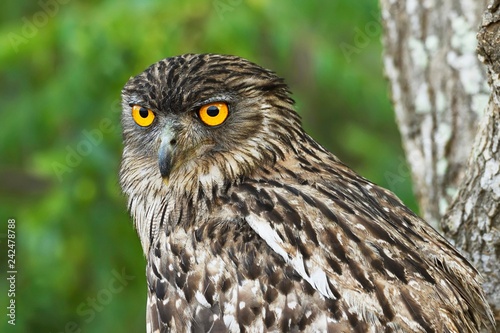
[213,114]
[142,116]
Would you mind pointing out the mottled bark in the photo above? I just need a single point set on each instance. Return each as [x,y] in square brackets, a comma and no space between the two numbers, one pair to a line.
[449,119]
[439,90]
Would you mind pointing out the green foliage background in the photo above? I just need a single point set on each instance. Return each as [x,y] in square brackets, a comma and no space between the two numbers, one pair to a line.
[63,64]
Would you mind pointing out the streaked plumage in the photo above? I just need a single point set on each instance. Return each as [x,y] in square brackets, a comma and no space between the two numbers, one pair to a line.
[252,226]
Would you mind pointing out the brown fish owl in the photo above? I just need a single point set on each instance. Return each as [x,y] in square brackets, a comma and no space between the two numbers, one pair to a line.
[249,225]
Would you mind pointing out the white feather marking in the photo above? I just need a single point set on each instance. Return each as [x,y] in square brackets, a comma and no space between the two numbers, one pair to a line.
[234,165]
[366,307]
[181,294]
[231,323]
[360,227]
[229,307]
[264,230]
[201,299]
[253,148]
[255,289]
[242,305]
[215,268]
[213,176]
[318,280]
[239,158]
[339,238]
[298,263]
[178,303]
[292,305]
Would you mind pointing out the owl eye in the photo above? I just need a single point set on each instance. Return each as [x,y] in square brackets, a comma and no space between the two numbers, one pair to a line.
[142,116]
[213,114]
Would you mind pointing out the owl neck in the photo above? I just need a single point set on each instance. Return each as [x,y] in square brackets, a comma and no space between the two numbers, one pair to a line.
[159,206]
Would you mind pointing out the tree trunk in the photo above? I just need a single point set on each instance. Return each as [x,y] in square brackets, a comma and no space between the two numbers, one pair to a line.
[449,118]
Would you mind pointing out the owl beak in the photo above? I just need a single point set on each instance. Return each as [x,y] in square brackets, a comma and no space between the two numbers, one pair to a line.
[166,151]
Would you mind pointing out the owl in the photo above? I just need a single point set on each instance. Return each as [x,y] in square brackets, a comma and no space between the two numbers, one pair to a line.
[249,225]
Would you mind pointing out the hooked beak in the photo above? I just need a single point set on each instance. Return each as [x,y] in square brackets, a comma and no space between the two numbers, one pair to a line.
[167,148]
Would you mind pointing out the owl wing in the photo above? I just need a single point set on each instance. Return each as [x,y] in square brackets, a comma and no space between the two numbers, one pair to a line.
[357,245]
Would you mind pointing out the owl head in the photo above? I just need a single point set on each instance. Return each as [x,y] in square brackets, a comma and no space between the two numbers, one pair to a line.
[193,122]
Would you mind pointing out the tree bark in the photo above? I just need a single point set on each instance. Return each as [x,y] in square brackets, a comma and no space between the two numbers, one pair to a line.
[449,118]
